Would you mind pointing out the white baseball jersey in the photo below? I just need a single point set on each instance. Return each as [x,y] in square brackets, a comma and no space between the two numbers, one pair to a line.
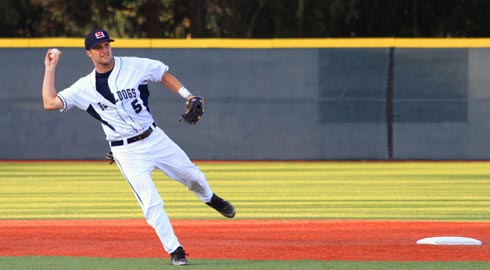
[123,110]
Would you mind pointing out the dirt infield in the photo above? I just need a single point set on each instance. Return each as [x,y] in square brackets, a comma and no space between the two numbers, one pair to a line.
[246,239]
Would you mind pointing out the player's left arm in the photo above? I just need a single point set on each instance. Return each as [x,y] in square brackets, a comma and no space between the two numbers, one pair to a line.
[194,105]
[172,83]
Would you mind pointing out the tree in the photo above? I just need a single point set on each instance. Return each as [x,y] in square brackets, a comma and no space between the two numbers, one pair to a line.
[246,18]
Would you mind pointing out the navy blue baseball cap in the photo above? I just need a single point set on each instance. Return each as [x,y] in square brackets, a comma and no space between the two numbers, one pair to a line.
[95,37]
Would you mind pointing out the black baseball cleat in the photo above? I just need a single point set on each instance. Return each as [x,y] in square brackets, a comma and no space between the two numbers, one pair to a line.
[222,206]
[178,257]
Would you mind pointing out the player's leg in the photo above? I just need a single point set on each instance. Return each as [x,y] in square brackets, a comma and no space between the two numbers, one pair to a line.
[175,163]
[137,172]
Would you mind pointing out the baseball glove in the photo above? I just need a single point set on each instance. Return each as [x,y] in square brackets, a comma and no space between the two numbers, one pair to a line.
[194,109]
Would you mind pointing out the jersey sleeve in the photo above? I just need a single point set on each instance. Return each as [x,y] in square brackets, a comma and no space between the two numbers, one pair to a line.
[73,96]
[154,70]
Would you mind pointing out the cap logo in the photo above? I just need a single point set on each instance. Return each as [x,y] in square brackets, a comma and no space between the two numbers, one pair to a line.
[99,35]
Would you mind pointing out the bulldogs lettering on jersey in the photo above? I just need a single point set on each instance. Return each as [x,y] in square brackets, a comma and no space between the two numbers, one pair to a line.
[102,106]
[128,83]
[125,94]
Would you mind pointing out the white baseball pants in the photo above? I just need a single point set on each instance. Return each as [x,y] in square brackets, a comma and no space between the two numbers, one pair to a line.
[137,161]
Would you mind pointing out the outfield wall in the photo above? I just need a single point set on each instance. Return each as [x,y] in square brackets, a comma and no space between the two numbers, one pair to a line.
[310,99]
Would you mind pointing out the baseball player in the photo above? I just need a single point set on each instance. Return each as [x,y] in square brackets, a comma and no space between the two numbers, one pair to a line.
[116,94]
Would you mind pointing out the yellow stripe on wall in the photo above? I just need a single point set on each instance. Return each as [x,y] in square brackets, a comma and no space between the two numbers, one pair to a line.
[256,43]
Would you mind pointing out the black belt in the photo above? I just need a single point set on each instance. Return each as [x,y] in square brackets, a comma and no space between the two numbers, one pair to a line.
[136,138]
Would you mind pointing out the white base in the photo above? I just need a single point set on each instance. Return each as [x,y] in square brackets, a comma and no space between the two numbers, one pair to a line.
[449,240]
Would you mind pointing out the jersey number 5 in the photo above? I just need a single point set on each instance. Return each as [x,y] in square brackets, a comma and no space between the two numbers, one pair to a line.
[136,106]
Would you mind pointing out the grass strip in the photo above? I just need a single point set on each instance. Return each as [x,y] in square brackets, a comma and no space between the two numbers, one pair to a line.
[452,191]
[84,263]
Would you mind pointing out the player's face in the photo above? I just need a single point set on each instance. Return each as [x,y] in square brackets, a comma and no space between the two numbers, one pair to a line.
[101,54]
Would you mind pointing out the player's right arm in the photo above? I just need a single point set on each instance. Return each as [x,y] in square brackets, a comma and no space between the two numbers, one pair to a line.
[50,99]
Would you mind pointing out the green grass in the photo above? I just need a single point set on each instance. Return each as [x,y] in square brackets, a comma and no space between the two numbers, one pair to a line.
[84,263]
[445,191]
[313,190]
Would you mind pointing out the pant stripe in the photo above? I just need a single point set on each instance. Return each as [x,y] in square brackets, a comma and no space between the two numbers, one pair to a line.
[125,177]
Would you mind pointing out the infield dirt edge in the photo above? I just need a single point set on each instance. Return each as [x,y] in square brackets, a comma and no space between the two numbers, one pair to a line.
[328,240]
